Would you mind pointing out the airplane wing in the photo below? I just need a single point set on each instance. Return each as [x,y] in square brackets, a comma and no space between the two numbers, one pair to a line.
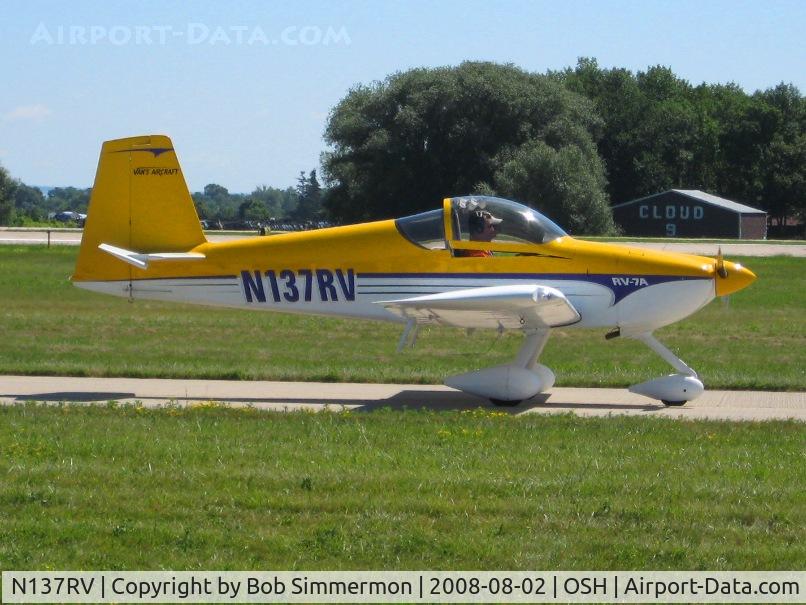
[141,260]
[499,307]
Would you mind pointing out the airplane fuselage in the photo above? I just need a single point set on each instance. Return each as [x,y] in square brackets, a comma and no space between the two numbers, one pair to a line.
[347,271]
[476,262]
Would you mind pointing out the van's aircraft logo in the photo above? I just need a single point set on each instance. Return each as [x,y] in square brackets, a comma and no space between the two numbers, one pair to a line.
[636,282]
[154,171]
[288,285]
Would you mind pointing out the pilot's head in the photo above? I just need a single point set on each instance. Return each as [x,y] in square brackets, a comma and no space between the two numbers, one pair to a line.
[483,225]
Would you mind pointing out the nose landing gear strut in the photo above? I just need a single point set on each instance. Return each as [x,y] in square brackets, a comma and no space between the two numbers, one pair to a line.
[674,389]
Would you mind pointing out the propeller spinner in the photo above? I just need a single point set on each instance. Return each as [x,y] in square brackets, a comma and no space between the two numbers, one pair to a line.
[730,277]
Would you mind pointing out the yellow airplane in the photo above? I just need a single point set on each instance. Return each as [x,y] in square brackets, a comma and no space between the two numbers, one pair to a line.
[476,262]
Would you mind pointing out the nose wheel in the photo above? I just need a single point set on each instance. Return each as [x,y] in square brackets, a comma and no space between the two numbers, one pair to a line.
[506,403]
[674,389]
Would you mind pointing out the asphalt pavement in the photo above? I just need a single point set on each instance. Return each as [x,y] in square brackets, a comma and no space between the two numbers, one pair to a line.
[73,238]
[315,396]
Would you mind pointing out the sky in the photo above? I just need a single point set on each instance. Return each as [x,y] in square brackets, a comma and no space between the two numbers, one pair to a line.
[244,88]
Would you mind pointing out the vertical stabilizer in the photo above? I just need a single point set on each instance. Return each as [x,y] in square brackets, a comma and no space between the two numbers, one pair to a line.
[140,202]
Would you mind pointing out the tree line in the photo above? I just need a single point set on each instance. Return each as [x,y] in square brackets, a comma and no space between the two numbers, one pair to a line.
[301,204]
[22,205]
[570,143]
[659,132]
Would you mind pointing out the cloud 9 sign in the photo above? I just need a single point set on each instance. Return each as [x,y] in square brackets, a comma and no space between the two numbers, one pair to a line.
[670,212]
[689,213]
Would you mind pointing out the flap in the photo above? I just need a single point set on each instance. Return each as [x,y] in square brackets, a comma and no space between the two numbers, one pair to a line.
[499,307]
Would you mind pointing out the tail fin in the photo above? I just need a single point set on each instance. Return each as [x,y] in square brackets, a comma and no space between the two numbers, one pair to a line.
[139,203]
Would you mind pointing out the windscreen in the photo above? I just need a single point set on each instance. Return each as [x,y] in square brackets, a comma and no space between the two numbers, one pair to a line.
[426,229]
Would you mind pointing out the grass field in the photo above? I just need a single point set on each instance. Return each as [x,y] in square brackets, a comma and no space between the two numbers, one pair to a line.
[48,326]
[214,488]
[209,488]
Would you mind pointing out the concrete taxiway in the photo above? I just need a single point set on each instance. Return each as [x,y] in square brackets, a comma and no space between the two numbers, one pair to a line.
[72,237]
[313,396]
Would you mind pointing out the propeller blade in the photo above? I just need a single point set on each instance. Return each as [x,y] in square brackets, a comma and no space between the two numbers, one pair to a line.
[720,264]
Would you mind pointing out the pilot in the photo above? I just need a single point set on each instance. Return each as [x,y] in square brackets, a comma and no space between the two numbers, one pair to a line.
[483,228]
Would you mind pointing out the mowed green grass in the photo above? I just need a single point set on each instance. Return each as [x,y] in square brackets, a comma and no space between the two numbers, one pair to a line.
[211,488]
[47,326]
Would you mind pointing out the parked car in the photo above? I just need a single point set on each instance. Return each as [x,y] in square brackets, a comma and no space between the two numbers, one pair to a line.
[68,216]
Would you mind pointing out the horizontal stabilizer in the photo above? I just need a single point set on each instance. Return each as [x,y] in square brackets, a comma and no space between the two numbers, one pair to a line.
[141,261]
[499,307]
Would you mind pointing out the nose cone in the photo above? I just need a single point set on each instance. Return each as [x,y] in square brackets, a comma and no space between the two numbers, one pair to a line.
[737,277]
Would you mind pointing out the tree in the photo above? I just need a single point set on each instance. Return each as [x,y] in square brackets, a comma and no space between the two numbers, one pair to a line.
[68,198]
[7,188]
[569,183]
[252,209]
[651,135]
[216,192]
[30,202]
[402,145]
[216,203]
[309,198]
[279,203]
[784,174]
[202,206]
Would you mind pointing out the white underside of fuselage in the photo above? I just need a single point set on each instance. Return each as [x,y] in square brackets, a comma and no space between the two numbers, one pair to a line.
[644,309]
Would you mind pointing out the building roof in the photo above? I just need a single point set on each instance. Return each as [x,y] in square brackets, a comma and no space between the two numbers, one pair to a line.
[703,197]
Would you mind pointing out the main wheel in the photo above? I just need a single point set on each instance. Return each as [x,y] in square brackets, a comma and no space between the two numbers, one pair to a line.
[506,403]
[672,403]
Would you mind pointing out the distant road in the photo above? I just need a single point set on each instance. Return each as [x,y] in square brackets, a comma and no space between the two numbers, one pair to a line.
[72,237]
[69,237]
[709,249]
[313,396]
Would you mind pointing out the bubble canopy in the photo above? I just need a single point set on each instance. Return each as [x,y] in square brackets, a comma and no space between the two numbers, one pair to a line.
[518,223]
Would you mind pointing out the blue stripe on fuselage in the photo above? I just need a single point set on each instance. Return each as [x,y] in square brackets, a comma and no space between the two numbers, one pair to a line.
[620,284]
